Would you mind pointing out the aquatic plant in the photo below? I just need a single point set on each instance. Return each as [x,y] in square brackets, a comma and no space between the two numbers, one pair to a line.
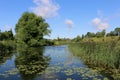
[99,54]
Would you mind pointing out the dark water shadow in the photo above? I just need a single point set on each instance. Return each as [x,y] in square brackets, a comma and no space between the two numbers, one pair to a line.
[31,61]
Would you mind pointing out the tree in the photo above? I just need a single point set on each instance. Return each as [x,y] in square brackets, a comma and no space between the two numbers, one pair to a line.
[83,36]
[7,35]
[89,34]
[117,31]
[31,29]
[111,33]
[101,34]
[77,39]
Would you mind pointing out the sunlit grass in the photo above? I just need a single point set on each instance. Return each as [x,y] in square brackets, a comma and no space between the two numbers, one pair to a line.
[102,53]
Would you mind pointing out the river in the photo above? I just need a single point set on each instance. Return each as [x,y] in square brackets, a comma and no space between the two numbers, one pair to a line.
[50,63]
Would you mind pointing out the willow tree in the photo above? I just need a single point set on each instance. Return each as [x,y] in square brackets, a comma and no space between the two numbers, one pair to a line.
[31,29]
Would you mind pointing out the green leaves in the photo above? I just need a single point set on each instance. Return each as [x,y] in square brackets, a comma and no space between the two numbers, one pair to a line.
[30,29]
[7,35]
[105,54]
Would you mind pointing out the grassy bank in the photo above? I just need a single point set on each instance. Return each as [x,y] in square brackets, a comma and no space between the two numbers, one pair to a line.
[101,54]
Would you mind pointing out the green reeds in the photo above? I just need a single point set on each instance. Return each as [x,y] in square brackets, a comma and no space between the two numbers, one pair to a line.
[100,54]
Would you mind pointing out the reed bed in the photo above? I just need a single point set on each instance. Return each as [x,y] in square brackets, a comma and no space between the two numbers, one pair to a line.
[104,55]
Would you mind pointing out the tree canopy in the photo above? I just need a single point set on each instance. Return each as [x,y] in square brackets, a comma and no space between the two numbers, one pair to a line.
[117,31]
[7,35]
[31,29]
[77,39]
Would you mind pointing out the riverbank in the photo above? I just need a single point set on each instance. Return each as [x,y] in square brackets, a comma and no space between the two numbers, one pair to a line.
[101,55]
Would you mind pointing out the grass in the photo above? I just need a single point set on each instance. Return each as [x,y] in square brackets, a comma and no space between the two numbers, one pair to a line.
[102,53]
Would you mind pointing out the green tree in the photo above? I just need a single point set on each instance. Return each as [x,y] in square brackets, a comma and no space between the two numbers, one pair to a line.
[111,33]
[83,36]
[31,29]
[77,39]
[89,34]
[101,34]
[7,35]
[117,31]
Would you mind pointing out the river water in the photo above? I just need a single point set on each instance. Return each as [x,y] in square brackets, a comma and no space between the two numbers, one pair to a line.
[49,63]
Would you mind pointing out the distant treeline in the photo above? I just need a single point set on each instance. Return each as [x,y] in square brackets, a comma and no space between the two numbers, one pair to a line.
[7,43]
[115,32]
[7,35]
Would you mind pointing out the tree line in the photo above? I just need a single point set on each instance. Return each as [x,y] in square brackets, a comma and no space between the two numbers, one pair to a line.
[115,32]
[7,35]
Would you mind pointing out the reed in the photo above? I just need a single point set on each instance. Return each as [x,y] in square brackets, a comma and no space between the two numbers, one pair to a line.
[99,54]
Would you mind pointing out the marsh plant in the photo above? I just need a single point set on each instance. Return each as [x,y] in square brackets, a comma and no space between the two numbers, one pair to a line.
[104,55]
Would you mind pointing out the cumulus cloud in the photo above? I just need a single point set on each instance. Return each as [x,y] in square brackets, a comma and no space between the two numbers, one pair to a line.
[69,23]
[45,8]
[100,24]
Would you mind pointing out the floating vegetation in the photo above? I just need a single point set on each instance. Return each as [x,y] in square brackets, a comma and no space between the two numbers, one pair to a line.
[69,79]
[105,78]
[84,73]
[13,71]
[7,73]
[69,72]
[32,61]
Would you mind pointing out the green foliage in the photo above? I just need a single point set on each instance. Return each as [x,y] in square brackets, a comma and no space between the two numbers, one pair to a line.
[77,39]
[117,31]
[112,33]
[83,36]
[89,34]
[7,35]
[100,34]
[7,46]
[102,54]
[6,50]
[31,29]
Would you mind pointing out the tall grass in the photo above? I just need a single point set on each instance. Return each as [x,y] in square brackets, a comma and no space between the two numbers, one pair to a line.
[102,54]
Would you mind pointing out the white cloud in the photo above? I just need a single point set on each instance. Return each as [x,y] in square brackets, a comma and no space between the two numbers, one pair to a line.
[45,8]
[96,21]
[100,24]
[69,23]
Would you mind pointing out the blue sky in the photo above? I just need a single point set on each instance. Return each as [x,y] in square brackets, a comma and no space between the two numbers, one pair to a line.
[67,18]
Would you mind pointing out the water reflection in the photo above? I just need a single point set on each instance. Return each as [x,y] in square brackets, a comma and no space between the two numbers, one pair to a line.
[5,53]
[31,62]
